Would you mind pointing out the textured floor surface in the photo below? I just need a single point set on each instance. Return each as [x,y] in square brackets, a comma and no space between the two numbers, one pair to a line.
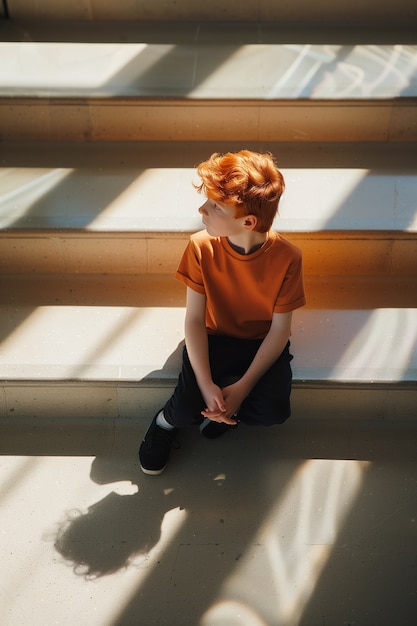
[307,524]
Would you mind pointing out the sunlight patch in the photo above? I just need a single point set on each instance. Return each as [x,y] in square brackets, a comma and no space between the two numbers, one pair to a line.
[383,348]
[48,66]
[279,572]
[315,196]
[231,613]
[24,188]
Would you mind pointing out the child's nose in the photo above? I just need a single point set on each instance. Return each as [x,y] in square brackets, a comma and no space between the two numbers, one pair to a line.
[202,210]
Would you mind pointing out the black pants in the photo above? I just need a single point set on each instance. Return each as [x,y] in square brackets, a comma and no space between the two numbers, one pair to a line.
[269,401]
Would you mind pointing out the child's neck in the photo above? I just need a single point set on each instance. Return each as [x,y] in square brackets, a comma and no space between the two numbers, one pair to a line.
[248,242]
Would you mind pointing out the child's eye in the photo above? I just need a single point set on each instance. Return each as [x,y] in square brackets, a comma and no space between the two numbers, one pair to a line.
[215,206]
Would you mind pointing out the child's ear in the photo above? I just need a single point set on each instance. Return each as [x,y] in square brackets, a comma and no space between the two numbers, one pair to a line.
[250,222]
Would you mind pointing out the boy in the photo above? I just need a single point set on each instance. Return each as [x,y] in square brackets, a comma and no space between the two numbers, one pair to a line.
[243,282]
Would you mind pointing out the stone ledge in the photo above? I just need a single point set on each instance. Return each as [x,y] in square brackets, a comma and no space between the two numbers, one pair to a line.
[123,362]
[28,404]
[326,291]
[168,118]
[208,70]
[147,187]
[325,30]
[132,344]
[373,11]
[74,256]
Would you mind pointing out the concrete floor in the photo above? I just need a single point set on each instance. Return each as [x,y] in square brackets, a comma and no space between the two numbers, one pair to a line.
[312,523]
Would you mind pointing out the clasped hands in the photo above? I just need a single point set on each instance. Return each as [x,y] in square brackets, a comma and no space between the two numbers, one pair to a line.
[223,403]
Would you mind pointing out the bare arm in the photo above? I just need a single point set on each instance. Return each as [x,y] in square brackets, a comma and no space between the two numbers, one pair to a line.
[197,348]
[268,352]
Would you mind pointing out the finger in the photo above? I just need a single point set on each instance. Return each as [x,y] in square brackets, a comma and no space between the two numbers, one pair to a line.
[219,417]
[228,420]
[221,405]
[216,410]
[212,414]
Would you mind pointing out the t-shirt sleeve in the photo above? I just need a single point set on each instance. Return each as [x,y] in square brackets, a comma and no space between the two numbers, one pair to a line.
[291,295]
[189,268]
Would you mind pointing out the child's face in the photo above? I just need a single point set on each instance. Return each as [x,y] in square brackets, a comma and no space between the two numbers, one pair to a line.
[219,219]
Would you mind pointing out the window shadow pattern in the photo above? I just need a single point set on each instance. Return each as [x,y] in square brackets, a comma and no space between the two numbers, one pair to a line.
[218,70]
[221,502]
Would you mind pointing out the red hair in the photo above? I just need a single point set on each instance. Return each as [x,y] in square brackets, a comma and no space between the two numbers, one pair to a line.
[248,181]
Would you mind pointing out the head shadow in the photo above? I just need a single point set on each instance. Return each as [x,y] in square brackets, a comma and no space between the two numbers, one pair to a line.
[204,488]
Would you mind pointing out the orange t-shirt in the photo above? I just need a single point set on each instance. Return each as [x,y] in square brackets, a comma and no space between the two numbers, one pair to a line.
[243,291]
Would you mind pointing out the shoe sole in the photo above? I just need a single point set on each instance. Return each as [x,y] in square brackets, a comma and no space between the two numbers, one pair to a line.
[150,472]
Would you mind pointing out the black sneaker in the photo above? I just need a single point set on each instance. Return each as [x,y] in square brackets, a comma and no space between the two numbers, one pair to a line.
[155,448]
[212,430]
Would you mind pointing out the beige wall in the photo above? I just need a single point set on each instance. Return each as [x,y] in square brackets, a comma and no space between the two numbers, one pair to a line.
[320,10]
